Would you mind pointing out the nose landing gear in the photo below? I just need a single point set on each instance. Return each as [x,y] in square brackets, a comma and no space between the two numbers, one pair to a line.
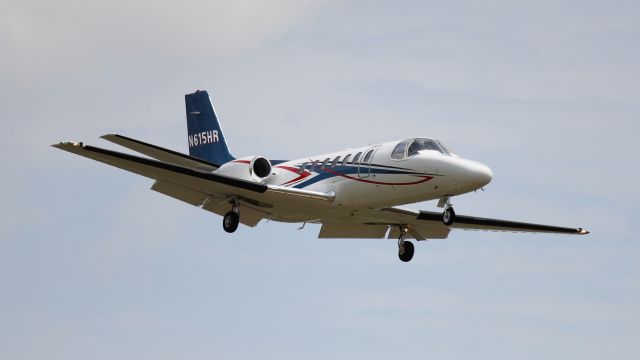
[232,218]
[448,215]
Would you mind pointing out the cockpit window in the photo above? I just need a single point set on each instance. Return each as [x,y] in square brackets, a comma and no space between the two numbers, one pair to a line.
[411,147]
[423,144]
[446,149]
[400,149]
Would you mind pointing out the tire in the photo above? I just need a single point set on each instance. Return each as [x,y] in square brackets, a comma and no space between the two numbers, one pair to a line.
[448,216]
[230,221]
[406,254]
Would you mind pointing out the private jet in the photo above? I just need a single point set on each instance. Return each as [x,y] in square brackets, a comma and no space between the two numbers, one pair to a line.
[354,193]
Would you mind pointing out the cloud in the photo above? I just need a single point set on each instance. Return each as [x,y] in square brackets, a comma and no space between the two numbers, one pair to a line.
[42,38]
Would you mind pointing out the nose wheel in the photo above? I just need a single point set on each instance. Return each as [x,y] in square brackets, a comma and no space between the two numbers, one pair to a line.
[448,216]
[231,219]
[405,248]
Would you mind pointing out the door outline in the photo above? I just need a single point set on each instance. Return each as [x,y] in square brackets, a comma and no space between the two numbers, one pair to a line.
[364,169]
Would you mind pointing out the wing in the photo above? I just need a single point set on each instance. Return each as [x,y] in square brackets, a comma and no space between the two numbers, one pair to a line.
[422,225]
[208,190]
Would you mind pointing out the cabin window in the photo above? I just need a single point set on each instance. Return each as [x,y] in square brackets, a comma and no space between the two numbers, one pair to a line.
[399,151]
[356,158]
[302,167]
[313,165]
[324,163]
[367,157]
[335,161]
[346,159]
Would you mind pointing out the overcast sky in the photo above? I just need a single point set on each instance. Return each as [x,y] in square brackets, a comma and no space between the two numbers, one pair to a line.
[93,265]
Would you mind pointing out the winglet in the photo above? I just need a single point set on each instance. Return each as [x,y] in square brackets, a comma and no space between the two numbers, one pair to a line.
[582,231]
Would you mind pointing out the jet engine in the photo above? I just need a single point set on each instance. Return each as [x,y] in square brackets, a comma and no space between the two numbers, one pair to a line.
[252,168]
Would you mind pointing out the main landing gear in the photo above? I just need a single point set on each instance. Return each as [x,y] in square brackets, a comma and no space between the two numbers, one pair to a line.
[448,215]
[232,218]
[405,248]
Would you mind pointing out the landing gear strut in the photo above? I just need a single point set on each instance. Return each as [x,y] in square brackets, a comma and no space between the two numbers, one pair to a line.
[405,248]
[232,218]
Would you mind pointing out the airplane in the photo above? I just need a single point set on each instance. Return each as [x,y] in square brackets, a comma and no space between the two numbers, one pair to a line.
[353,193]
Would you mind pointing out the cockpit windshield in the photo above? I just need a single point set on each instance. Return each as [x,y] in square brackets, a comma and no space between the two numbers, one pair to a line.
[400,151]
[423,144]
[446,149]
[411,147]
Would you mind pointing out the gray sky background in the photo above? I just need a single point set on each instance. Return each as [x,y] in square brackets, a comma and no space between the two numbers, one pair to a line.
[95,265]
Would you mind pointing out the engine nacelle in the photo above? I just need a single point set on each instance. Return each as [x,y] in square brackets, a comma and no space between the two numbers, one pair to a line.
[252,168]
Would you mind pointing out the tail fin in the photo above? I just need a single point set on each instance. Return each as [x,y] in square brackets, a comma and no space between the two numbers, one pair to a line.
[206,140]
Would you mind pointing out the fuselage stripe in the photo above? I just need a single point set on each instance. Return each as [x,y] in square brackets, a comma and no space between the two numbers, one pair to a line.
[424,178]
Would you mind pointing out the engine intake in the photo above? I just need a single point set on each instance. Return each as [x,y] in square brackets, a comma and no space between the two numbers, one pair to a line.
[260,167]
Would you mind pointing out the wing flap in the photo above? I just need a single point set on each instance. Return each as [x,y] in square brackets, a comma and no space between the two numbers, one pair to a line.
[216,205]
[249,216]
[352,231]
[422,232]
[190,196]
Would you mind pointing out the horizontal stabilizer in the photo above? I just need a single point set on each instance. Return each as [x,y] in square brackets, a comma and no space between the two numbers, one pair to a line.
[157,170]
[160,153]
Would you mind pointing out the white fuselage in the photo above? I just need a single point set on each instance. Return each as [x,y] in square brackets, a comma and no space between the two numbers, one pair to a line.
[375,180]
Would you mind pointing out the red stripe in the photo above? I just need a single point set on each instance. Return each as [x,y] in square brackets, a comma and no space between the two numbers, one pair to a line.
[290,168]
[425,178]
[294,170]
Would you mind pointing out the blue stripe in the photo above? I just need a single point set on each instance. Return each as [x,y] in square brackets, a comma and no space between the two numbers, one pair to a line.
[350,170]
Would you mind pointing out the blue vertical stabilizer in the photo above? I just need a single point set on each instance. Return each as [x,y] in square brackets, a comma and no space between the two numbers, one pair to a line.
[206,140]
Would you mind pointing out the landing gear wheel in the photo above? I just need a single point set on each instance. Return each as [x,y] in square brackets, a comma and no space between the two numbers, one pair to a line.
[448,216]
[405,251]
[230,221]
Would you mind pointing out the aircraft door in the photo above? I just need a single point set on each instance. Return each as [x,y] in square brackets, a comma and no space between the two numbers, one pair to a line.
[364,167]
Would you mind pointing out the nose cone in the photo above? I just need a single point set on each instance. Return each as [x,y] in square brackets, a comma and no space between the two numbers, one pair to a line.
[472,174]
[480,174]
